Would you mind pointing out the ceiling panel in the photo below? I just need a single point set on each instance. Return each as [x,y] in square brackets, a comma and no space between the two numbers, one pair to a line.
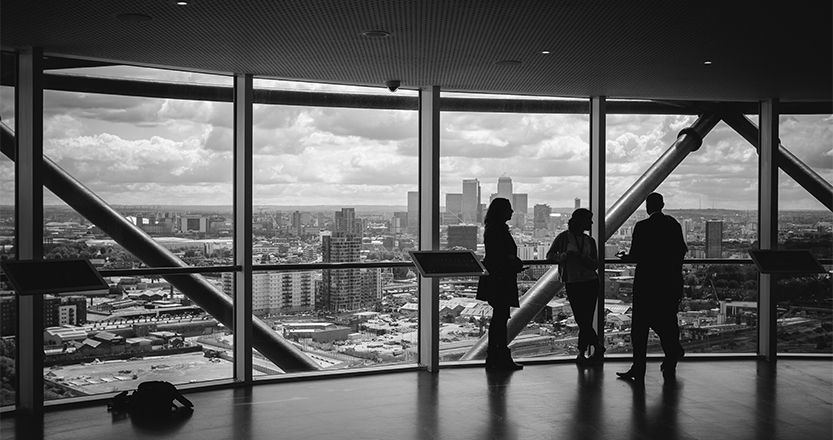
[618,49]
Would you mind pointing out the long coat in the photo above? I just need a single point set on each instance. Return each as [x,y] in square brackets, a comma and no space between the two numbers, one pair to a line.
[658,247]
[500,287]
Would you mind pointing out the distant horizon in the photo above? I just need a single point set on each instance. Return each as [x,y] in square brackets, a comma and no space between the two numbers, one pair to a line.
[368,206]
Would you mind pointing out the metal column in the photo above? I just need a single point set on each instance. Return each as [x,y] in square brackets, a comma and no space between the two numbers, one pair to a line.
[598,115]
[767,225]
[429,224]
[688,140]
[243,227]
[816,185]
[29,220]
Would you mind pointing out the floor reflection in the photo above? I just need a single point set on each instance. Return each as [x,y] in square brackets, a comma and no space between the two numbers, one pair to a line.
[587,417]
[499,426]
[660,421]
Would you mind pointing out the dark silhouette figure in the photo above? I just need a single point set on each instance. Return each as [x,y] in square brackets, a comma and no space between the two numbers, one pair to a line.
[577,258]
[500,287]
[657,248]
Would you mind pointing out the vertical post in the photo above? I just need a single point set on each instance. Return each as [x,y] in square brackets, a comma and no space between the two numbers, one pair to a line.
[243,227]
[29,201]
[598,114]
[429,224]
[767,225]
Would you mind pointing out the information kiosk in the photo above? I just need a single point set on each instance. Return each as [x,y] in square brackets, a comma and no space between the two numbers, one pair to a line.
[447,263]
[776,261]
[31,278]
[53,277]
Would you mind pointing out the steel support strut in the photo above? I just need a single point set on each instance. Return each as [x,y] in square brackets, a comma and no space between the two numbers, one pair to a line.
[794,167]
[137,242]
[548,285]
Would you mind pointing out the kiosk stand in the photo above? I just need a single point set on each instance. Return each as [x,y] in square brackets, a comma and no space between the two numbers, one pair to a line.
[776,261]
[448,264]
[42,277]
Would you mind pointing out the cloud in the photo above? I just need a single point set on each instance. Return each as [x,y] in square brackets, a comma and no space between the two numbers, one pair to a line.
[506,135]
[163,151]
[126,109]
[810,138]
[380,125]
[105,160]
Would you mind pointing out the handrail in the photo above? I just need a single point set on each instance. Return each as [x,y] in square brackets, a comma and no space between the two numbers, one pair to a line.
[373,265]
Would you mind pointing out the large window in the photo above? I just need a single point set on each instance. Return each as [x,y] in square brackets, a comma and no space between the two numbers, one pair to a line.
[165,167]
[540,163]
[8,310]
[713,195]
[805,317]
[336,185]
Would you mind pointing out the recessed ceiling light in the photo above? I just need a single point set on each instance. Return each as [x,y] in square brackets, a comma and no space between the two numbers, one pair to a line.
[375,33]
[182,3]
[545,52]
[707,63]
[508,62]
[132,17]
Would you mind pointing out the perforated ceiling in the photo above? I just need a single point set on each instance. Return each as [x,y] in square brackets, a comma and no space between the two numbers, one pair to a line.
[613,48]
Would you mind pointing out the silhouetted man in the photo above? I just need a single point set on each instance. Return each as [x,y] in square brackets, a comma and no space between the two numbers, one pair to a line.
[657,248]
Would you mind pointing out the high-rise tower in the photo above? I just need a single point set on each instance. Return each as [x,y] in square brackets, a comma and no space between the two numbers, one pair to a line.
[471,201]
[341,288]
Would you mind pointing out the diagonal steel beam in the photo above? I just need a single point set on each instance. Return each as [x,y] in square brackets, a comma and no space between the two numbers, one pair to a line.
[816,185]
[688,140]
[196,287]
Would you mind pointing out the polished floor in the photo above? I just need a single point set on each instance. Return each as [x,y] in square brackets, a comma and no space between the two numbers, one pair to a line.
[710,400]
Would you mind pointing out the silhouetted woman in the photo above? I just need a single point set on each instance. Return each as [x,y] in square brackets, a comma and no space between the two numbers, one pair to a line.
[576,255]
[500,287]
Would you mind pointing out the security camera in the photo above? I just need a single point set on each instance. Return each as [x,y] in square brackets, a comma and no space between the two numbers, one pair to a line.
[392,84]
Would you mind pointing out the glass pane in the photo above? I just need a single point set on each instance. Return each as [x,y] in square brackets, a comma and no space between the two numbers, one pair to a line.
[8,309]
[141,329]
[378,326]
[718,313]
[166,167]
[334,185]
[805,302]
[540,163]
[712,193]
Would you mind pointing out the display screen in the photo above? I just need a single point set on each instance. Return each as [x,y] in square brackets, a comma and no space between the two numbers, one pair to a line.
[783,261]
[53,276]
[447,263]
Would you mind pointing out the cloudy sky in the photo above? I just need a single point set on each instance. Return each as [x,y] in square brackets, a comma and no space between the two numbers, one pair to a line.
[157,151]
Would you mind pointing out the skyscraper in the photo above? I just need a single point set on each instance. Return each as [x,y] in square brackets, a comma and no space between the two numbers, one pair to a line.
[520,203]
[464,236]
[714,239]
[541,215]
[471,201]
[504,187]
[399,222]
[276,292]
[413,212]
[345,221]
[341,289]
[577,203]
[454,207]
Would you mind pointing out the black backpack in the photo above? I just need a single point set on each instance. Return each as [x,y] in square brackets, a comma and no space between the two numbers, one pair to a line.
[153,399]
